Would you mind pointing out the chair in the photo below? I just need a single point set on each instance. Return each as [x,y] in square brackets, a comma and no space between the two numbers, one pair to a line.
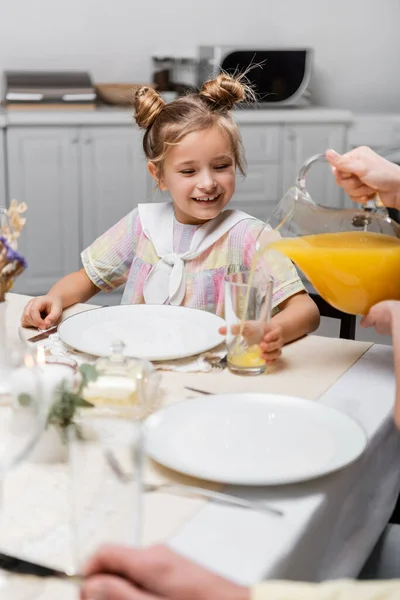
[347,322]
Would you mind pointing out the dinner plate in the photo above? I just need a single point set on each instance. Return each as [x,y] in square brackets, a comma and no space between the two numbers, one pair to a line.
[155,332]
[253,439]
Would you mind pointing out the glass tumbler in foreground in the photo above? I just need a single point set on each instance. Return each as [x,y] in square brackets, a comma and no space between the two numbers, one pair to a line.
[106,454]
[248,301]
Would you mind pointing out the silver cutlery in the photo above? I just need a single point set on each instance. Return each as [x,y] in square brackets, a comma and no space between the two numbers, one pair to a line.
[43,334]
[217,363]
[191,389]
[20,566]
[189,490]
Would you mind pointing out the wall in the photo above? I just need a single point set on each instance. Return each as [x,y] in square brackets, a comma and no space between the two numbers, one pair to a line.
[357,42]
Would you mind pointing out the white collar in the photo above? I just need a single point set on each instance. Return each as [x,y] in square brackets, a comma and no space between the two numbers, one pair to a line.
[166,282]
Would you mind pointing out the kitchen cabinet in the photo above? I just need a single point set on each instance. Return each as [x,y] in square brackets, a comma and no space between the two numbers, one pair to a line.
[2,170]
[301,141]
[77,182]
[113,177]
[274,156]
[43,172]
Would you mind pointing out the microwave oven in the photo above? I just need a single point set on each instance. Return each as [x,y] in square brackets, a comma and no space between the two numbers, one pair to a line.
[278,76]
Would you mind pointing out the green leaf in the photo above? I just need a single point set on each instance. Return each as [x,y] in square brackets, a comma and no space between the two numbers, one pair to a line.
[88,372]
[24,399]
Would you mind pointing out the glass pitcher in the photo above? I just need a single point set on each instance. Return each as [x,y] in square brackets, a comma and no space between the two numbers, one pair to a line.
[350,256]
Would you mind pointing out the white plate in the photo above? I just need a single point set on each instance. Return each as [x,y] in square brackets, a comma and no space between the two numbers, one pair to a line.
[148,331]
[253,439]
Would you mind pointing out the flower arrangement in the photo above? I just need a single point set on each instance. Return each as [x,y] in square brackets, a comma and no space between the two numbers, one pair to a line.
[12,263]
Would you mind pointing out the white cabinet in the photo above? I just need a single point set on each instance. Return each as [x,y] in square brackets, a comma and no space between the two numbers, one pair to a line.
[2,170]
[42,171]
[301,141]
[260,190]
[113,177]
[77,182]
[274,156]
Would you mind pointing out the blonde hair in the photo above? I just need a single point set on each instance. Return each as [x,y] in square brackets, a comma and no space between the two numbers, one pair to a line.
[167,124]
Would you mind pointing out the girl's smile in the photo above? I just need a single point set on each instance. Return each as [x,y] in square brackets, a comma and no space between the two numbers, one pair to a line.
[200,173]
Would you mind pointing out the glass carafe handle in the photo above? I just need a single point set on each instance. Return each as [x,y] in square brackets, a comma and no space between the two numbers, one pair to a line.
[372,205]
[305,167]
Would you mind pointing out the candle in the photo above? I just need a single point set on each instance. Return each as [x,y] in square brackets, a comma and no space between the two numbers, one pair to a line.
[55,372]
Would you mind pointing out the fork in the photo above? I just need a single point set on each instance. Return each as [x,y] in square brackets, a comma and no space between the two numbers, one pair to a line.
[182,489]
[217,363]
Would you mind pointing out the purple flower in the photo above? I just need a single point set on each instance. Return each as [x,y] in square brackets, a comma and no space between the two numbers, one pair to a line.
[11,254]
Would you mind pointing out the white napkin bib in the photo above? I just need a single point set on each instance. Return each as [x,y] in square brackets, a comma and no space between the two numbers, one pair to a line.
[166,282]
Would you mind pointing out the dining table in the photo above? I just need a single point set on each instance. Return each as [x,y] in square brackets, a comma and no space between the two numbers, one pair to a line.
[329,525]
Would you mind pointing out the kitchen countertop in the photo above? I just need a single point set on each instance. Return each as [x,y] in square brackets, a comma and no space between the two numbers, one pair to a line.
[120,116]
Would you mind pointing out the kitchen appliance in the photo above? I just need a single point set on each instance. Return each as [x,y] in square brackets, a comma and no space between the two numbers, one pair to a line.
[174,76]
[278,76]
[49,89]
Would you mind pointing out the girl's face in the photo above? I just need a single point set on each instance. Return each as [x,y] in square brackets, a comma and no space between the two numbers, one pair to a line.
[200,175]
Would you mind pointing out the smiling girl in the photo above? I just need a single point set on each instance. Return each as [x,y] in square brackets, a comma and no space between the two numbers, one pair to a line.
[179,252]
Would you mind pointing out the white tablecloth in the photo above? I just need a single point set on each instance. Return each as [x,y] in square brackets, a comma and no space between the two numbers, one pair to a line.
[330,524]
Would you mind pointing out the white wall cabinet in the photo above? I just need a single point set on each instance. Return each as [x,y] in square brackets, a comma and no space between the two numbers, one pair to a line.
[301,141]
[77,182]
[113,177]
[43,172]
[80,178]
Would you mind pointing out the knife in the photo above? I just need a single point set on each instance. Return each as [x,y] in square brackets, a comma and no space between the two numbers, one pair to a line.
[20,566]
[43,334]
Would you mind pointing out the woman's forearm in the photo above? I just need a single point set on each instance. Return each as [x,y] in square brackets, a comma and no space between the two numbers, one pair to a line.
[298,316]
[73,288]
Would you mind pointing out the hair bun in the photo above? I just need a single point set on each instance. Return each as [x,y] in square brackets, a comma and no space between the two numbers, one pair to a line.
[147,106]
[224,91]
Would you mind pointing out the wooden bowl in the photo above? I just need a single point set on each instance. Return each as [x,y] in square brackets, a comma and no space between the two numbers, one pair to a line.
[118,94]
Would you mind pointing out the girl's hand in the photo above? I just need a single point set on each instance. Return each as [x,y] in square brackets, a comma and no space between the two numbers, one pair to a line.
[272,342]
[381,316]
[268,335]
[42,312]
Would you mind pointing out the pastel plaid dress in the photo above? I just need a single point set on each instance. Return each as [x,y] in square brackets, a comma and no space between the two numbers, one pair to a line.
[126,255]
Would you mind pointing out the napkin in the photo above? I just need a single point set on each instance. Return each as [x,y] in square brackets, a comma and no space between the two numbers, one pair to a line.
[193,364]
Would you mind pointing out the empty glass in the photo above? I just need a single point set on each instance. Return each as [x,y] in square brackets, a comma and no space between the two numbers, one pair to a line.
[248,300]
[105,441]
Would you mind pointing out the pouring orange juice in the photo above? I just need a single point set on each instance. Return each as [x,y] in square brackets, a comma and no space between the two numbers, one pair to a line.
[350,256]
[351,270]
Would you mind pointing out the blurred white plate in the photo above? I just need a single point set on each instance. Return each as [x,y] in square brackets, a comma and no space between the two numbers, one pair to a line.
[148,331]
[253,439]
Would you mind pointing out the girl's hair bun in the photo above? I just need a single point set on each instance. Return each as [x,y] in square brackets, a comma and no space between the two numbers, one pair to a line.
[147,106]
[224,91]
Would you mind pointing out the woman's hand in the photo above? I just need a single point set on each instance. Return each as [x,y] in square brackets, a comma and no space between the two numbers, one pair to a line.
[118,573]
[42,312]
[362,174]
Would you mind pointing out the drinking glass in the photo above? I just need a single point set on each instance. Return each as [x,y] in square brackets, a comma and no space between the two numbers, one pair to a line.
[248,301]
[106,453]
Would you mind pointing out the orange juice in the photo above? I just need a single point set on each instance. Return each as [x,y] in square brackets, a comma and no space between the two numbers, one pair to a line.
[350,270]
[246,357]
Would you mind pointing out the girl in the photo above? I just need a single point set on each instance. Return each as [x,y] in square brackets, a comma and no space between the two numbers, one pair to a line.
[179,252]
